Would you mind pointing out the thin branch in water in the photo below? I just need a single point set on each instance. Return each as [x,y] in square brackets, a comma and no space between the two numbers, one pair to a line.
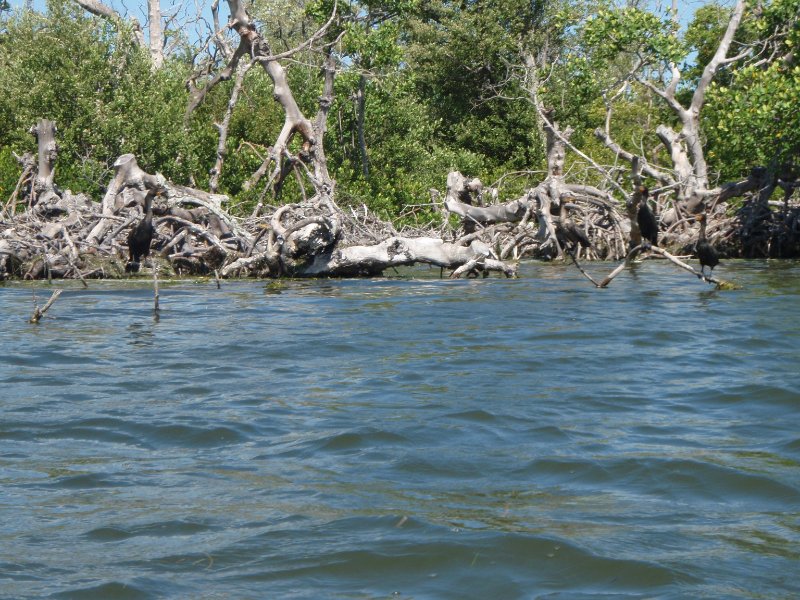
[580,268]
[156,309]
[718,283]
[38,313]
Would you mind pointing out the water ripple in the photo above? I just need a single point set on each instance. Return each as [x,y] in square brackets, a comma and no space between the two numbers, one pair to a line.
[410,438]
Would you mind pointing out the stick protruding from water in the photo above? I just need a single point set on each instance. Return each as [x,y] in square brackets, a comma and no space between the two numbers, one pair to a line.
[156,309]
[38,313]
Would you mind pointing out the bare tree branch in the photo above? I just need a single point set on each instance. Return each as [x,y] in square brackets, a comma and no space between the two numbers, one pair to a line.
[99,9]
[717,60]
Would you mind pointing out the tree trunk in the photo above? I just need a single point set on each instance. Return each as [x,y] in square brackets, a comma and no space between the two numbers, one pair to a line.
[400,251]
[127,176]
[44,194]
[156,35]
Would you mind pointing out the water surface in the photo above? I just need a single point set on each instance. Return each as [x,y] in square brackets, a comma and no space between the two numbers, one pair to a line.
[405,438]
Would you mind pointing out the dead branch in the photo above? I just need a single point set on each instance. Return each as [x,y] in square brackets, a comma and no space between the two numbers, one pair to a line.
[39,313]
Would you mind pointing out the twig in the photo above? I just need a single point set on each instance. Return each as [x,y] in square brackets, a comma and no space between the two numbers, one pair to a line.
[115,232]
[156,309]
[719,283]
[467,267]
[580,268]
[39,313]
[77,271]
[628,260]
[24,179]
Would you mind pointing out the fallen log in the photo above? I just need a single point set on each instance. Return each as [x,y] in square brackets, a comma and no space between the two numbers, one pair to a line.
[398,251]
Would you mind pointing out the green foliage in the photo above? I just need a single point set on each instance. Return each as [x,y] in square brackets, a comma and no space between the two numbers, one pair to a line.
[9,174]
[751,118]
[749,113]
[704,33]
[406,160]
[372,47]
[442,83]
[633,31]
[755,121]
[428,110]
[462,57]
[100,90]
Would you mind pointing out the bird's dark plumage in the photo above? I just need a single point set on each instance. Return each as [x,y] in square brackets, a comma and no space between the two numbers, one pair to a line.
[569,233]
[648,224]
[141,235]
[706,253]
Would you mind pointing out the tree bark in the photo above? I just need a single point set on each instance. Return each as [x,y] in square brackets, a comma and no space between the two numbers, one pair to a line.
[465,198]
[45,132]
[222,129]
[44,195]
[401,251]
[127,175]
[156,35]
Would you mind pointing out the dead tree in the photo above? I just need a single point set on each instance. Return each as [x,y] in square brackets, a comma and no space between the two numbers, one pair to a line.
[465,197]
[687,176]
[44,193]
[529,225]
[194,234]
[307,237]
[154,26]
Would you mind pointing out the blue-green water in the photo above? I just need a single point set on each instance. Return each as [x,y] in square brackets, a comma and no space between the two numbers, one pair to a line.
[408,438]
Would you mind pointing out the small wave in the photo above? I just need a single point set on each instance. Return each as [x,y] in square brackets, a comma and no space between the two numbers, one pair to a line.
[549,433]
[665,478]
[95,430]
[158,529]
[792,446]
[341,441]
[763,397]
[385,556]
[146,435]
[117,590]
[187,435]
[443,466]
[192,391]
[479,415]
[353,440]
[21,571]
[87,481]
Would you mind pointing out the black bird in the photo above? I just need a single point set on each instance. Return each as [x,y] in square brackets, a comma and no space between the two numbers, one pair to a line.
[705,251]
[646,219]
[140,236]
[571,233]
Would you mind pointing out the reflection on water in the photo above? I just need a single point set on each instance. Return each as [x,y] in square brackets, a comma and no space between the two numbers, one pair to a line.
[409,437]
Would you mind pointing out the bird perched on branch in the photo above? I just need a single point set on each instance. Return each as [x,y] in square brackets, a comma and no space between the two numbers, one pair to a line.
[648,224]
[705,251]
[569,233]
[141,235]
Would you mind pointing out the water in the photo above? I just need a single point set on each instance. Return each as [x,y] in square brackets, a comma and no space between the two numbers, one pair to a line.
[407,438]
